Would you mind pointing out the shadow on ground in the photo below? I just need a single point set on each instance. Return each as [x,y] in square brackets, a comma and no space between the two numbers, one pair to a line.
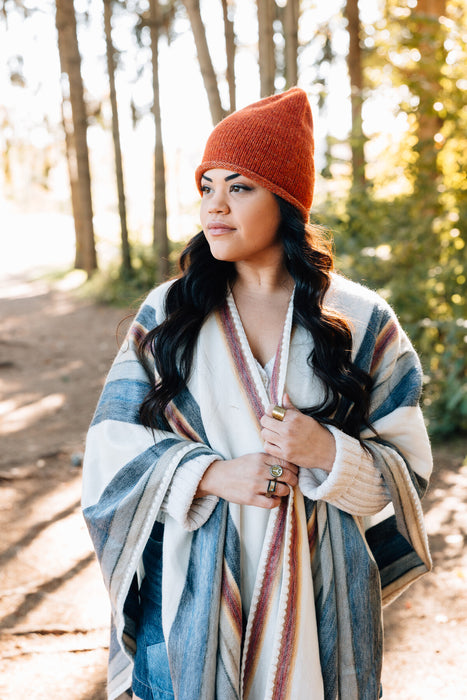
[54,352]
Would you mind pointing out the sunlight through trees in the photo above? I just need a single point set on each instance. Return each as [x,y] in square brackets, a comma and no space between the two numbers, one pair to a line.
[142,82]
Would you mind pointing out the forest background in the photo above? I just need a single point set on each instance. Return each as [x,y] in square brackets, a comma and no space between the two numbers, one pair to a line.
[106,105]
[104,111]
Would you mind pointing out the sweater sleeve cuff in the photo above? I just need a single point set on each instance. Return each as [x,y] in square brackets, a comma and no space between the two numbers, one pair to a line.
[180,502]
[354,484]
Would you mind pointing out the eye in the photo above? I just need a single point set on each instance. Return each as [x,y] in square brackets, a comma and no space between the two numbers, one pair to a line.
[238,187]
[205,189]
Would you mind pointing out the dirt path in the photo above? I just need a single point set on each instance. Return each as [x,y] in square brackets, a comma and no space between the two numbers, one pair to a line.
[54,353]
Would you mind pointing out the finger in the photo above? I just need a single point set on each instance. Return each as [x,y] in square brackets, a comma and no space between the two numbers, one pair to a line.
[283,489]
[267,417]
[273,450]
[270,436]
[264,502]
[272,432]
[288,478]
[269,413]
[284,463]
[286,402]
[277,489]
[288,469]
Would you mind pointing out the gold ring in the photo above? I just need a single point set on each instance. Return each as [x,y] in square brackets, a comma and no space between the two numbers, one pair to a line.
[278,412]
[276,470]
[272,483]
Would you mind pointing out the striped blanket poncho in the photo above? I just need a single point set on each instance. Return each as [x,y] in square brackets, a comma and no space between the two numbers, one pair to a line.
[332,553]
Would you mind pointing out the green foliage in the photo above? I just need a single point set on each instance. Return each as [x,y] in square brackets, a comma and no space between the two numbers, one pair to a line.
[417,261]
[405,235]
[116,287]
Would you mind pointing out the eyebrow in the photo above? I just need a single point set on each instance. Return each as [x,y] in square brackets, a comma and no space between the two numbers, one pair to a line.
[226,179]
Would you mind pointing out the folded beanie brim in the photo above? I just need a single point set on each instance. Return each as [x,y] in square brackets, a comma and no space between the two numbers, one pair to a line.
[271,142]
[267,184]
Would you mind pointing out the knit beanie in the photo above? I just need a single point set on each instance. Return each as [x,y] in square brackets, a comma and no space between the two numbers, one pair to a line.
[271,142]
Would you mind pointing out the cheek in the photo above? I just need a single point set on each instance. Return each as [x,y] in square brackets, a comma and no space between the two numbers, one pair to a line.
[268,213]
[202,213]
[275,216]
[267,220]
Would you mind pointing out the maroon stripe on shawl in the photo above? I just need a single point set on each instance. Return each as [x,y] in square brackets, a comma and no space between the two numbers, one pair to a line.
[180,424]
[288,645]
[232,603]
[138,332]
[262,607]
[231,599]
[264,599]
[384,339]
[275,373]
[240,363]
[312,527]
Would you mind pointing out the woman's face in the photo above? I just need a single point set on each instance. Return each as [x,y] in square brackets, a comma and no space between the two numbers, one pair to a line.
[240,219]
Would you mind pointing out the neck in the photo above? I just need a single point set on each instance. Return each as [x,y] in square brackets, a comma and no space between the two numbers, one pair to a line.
[263,280]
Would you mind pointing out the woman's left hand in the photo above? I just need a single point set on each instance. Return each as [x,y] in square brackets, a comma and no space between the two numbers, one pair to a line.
[298,438]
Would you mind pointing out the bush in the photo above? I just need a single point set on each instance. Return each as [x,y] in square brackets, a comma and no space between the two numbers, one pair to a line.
[117,287]
[414,255]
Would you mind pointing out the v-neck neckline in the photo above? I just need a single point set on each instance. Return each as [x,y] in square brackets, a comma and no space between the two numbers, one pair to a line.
[266,366]
[277,383]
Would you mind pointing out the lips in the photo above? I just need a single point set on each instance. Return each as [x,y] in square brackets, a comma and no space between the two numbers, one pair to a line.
[217,228]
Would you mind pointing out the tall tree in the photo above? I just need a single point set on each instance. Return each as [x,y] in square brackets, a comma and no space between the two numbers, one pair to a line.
[230,54]
[110,52]
[291,15]
[204,58]
[417,50]
[354,63]
[161,239]
[76,131]
[427,35]
[266,47]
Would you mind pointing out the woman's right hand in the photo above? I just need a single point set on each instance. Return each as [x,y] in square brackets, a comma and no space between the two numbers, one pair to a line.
[245,480]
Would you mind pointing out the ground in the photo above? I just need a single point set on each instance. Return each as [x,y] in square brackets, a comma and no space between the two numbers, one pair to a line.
[55,349]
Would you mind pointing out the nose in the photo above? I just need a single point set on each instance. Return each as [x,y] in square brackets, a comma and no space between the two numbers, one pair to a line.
[218,202]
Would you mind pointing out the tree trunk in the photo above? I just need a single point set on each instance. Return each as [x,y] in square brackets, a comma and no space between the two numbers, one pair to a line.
[75,130]
[354,62]
[161,239]
[425,81]
[204,59]
[230,54]
[291,17]
[67,122]
[126,256]
[266,50]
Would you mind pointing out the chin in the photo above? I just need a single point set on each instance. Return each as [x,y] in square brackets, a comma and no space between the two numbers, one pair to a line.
[224,255]
[225,258]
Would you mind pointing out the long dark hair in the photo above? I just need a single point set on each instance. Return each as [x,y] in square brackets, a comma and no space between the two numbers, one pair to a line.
[202,288]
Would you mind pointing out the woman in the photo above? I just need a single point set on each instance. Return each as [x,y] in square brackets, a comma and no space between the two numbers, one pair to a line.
[261,411]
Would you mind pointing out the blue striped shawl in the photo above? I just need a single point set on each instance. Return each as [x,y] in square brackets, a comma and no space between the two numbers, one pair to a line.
[357,565]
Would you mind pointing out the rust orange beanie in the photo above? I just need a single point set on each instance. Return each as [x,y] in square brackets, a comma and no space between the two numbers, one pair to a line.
[271,142]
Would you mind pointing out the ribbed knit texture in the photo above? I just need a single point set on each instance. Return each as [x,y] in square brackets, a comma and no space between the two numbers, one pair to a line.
[180,502]
[271,142]
[353,485]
